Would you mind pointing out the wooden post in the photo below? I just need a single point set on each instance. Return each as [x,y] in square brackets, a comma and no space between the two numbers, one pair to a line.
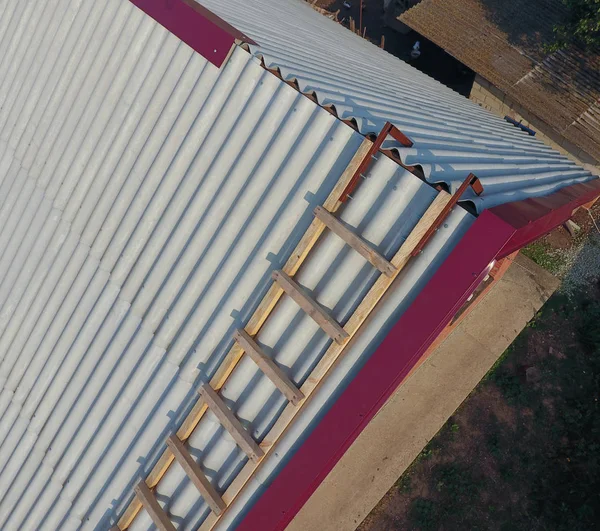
[361,17]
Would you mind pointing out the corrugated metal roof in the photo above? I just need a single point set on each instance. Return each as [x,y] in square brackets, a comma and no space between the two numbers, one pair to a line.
[452,135]
[145,197]
[504,42]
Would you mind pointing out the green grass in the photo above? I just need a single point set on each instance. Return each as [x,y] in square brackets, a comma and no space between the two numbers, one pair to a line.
[545,256]
[454,480]
[589,329]
[404,484]
[424,514]
[551,463]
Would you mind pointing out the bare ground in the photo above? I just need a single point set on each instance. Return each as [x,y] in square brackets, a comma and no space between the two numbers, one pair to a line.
[523,451]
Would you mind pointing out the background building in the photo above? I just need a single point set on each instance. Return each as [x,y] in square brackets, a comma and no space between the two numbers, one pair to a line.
[505,44]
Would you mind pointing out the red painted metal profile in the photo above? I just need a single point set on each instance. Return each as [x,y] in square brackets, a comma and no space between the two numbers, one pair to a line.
[535,217]
[195,25]
[433,309]
[493,235]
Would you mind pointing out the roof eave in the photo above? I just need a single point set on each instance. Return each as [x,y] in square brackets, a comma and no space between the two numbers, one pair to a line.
[496,233]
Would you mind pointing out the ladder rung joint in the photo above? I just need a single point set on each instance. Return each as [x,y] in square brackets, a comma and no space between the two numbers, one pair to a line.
[153,508]
[314,310]
[268,367]
[195,474]
[356,242]
[230,422]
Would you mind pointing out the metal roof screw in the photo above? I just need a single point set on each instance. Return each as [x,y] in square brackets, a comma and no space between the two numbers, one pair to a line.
[215,51]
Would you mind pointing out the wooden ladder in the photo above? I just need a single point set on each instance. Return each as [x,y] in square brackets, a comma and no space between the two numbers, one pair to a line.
[245,342]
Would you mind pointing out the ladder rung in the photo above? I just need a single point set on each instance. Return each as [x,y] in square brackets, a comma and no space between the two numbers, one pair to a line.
[311,307]
[159,517]
[355,241]
[268,367]
[231,423]
[197,477]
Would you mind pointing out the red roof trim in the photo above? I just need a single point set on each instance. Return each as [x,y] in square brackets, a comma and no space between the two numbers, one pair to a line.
[493,235]
[432,310]
[536,217]
[195,25]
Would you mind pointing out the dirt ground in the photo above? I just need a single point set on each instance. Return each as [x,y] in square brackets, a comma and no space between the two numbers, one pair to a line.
[575,260]
[523,451]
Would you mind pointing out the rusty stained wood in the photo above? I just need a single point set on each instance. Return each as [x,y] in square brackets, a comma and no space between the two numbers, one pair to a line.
[312,308]
[356,242]
[149,502]
[260,315]
[230,422]
[268,367]
[197,477]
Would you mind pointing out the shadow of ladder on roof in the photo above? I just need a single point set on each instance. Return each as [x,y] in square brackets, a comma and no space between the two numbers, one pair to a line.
[245,343]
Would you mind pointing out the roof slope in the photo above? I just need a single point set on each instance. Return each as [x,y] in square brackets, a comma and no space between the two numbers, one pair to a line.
[503,41]
[145,198]
[452,135]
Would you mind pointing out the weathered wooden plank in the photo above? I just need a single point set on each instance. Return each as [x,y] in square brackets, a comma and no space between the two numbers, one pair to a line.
[291,267]
[268,367]
[313,309]
[230,422]
[197,477]
[364,309]
[149,502]
[356,242]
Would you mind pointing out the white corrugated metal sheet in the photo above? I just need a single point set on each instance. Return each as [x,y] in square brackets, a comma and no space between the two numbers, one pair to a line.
[145,197]
[452,135]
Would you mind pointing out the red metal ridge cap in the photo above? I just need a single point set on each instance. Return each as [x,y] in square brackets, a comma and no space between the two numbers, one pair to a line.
[195,25]
[534,217]
[432,310]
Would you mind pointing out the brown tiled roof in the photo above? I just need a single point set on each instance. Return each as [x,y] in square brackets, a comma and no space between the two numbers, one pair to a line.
[503,41]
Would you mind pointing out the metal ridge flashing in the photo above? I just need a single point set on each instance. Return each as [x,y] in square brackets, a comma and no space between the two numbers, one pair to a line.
[195,25]
[391,363]
[495,234]
[535,217]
